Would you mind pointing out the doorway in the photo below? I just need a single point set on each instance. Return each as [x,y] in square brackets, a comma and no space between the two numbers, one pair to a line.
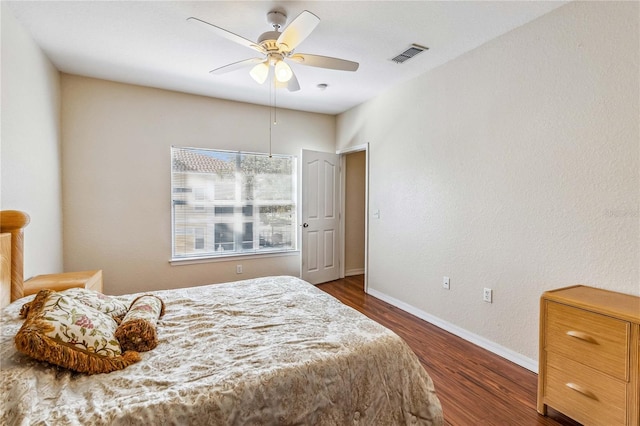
[334,215]
[354,207]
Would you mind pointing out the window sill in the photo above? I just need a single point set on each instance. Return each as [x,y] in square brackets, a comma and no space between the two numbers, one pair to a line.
[231,257]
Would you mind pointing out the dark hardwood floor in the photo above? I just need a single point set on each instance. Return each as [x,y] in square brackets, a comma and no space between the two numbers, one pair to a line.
[475,386]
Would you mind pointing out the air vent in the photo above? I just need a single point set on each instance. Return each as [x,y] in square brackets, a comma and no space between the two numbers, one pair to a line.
[409,53]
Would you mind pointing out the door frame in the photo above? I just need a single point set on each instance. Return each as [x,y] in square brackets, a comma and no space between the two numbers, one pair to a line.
[343,181]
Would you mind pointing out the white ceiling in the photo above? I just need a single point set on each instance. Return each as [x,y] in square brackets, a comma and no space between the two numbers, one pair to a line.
[150,43]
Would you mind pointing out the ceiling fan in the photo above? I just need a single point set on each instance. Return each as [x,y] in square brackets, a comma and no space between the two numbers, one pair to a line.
[277,48]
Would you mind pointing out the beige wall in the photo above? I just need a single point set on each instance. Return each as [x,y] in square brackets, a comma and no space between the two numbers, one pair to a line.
[513,167]
[116,143]
[30,145]
[354,218]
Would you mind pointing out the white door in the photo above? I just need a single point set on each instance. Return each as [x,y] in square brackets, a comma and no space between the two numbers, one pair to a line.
[320,217]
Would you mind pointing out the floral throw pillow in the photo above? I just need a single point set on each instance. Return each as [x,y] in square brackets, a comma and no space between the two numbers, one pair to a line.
[105,304]
[137,332]
[63,331]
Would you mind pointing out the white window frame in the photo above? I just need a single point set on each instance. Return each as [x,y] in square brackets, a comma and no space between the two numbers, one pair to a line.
[182,195]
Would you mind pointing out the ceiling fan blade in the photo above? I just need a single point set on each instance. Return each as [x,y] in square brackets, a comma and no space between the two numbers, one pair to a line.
[227,34]
[298,30]
[324,62]
[236,66]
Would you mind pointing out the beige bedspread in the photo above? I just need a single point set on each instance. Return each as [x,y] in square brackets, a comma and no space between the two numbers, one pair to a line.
[269,351]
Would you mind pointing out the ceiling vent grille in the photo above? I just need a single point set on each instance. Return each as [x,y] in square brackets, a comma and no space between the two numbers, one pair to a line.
[409,53]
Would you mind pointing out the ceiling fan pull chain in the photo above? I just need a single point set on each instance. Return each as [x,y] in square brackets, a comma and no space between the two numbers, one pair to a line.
[275,108]
[269,136]
[271,113]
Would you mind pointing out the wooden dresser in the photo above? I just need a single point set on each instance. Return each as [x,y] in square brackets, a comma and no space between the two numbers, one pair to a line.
[590,355]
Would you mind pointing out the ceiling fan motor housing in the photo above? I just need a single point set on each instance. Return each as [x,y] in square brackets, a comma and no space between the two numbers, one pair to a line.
[276,19]
[268,40]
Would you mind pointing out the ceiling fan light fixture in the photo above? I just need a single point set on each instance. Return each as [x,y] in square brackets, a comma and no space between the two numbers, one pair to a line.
[283,71]
[260,72]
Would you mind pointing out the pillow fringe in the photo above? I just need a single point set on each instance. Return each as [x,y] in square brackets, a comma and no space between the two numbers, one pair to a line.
[31,341]
[24,310]
[43,348]
[137,334]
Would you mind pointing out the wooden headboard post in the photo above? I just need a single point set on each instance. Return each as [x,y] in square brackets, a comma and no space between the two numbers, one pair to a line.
[14,222]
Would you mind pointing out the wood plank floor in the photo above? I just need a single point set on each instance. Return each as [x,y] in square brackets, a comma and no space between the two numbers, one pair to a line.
[475,386]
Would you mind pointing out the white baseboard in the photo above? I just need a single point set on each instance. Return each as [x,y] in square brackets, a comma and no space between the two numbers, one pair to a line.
[497,349]
[350,272]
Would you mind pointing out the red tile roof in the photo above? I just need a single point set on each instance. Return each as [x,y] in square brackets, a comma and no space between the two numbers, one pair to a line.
[188,160]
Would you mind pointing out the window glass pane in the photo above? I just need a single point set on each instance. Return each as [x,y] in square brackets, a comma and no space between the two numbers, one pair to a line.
[198,194]
[225,187]
[224,237]
[223,210]
[247,236]
[276,226]
[232,203]
[199,238]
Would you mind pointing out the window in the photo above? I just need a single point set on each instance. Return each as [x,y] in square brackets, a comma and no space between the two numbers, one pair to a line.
[198,195]
[199,238]
[232,203]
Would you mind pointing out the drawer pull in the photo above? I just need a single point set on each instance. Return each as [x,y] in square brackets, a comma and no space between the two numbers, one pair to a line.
[582,390]
[582,336]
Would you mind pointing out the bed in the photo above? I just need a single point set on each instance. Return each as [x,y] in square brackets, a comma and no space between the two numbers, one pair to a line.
[266,351]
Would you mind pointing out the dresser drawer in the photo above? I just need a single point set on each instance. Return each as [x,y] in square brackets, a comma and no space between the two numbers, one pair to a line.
[592,339]
[583,393]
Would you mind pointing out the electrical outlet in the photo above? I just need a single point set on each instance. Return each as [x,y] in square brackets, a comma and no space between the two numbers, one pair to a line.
[238,269]
[487,296]
[446,283]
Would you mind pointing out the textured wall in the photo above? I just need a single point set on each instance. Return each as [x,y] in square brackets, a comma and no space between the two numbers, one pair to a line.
[513,167]
[117,200]
[30,152]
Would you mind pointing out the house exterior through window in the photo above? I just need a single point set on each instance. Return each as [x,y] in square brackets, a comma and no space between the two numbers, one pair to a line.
[232,203]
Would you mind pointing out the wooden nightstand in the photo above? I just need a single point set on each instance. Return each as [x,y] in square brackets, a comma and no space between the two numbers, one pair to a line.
[590,355]
[84,279]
